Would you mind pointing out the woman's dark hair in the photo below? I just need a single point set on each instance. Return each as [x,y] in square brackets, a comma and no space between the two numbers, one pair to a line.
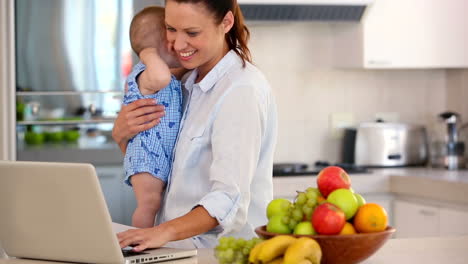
[239,34]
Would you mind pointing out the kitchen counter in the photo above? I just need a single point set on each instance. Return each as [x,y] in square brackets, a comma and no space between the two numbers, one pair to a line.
[426,183]
[453,250]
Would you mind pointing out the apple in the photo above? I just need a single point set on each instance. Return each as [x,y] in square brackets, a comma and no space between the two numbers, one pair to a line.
[277,225]
[332,178]
[71,136]
[33,138]
[361,201]
[277,206]
[328,219]
[304,228]
[345,200]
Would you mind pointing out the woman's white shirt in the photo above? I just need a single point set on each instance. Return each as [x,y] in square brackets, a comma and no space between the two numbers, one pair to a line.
[224,151]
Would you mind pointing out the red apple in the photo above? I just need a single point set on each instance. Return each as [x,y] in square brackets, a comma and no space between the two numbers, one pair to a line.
[332,178]
[328,219]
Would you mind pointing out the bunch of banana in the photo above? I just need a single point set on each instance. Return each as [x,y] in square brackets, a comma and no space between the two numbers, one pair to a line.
[285,249]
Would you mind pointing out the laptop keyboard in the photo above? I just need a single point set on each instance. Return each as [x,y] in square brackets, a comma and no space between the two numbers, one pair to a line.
[130,253]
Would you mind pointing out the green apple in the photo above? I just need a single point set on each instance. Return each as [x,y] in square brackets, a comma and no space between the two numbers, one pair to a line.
[277,225]
[33,138]
[277,206]
[71,135]
[345,200]
[361,201]
[304,228]
[54,137]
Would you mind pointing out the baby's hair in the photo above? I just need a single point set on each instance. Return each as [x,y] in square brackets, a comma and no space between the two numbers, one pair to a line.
[147,28]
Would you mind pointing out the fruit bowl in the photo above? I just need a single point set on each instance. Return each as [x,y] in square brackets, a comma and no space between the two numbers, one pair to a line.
[342,249]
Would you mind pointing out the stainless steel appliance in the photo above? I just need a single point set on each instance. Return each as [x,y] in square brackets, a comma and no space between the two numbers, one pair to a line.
[381,144]
[449,150]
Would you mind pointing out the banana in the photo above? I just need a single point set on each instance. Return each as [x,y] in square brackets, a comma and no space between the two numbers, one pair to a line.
[278,260]
[274,248]
[303,248]
[254,252]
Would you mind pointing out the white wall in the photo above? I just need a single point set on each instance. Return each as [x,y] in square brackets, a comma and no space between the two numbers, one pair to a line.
[297,57]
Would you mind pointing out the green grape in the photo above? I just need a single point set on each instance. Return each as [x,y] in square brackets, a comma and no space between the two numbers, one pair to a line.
[286,219]
[292,224]
[240,243]
[301,198]
[229,255]
[250,243]
[308,212]
[312,189]
[311,195]
[297,214]
[234,250]
[311,202]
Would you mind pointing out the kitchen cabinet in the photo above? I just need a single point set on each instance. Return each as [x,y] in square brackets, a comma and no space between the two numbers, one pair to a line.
[405,34]
[453,222]
[413,219]
[119,197]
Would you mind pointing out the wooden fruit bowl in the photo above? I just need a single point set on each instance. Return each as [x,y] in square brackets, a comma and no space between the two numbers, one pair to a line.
[342,249]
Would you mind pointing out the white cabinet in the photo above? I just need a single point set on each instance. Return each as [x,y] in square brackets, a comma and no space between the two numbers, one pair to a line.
[414,219]
[119,197]
[453,222]
[406,34]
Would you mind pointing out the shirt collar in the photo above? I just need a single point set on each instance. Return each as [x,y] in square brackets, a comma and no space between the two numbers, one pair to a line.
[214,74]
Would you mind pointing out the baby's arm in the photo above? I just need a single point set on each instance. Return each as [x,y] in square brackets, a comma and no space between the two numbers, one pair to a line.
[157,74]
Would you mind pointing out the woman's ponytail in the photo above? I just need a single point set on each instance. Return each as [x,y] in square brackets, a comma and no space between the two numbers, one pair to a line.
[238,37]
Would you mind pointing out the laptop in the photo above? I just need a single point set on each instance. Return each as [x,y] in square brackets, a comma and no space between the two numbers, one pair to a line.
[56,211]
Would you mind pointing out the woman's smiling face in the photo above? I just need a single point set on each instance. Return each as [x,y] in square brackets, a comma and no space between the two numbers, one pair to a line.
[196,38]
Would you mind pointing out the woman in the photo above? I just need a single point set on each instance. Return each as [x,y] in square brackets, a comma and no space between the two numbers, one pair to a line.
[221,180]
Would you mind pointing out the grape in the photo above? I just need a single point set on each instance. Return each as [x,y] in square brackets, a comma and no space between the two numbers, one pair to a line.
[308,212]
[234,250]
[292,224]
[301,198]
[311,202]
[297,214]
[311,195]
[286,219]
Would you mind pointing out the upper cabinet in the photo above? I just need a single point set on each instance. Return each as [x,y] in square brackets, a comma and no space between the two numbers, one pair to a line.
[405,34]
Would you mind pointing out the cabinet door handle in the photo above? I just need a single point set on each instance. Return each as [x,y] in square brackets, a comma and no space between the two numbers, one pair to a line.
[427,212]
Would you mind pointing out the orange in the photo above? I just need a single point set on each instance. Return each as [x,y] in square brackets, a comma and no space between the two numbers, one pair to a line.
[321,199]
[348,229]
[370,217]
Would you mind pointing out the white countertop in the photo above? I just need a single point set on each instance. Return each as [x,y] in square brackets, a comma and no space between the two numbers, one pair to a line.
[437,184]
[453,250]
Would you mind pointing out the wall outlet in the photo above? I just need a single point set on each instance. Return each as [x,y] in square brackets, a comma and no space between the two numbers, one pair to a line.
[339,121]
[388,116]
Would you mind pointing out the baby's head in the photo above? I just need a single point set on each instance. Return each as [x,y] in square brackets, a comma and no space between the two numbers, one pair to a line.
[148,30]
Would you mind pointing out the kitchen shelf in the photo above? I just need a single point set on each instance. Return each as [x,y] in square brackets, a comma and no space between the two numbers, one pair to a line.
[67,122]
[47,93]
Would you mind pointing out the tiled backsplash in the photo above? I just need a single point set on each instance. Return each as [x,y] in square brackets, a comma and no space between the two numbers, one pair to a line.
[296,59]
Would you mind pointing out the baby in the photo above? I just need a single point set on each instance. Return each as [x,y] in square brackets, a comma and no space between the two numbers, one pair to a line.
[148,157]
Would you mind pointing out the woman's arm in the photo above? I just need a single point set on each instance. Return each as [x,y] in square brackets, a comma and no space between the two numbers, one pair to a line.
[197,221]
[135,117]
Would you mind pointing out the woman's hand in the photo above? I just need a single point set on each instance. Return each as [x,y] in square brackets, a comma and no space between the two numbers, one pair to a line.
[142,239]
[134,118]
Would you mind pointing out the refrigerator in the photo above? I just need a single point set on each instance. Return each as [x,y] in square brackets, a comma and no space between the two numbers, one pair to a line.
[62,73]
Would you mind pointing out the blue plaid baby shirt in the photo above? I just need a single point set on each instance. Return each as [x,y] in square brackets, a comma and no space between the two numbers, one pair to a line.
[151,150]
